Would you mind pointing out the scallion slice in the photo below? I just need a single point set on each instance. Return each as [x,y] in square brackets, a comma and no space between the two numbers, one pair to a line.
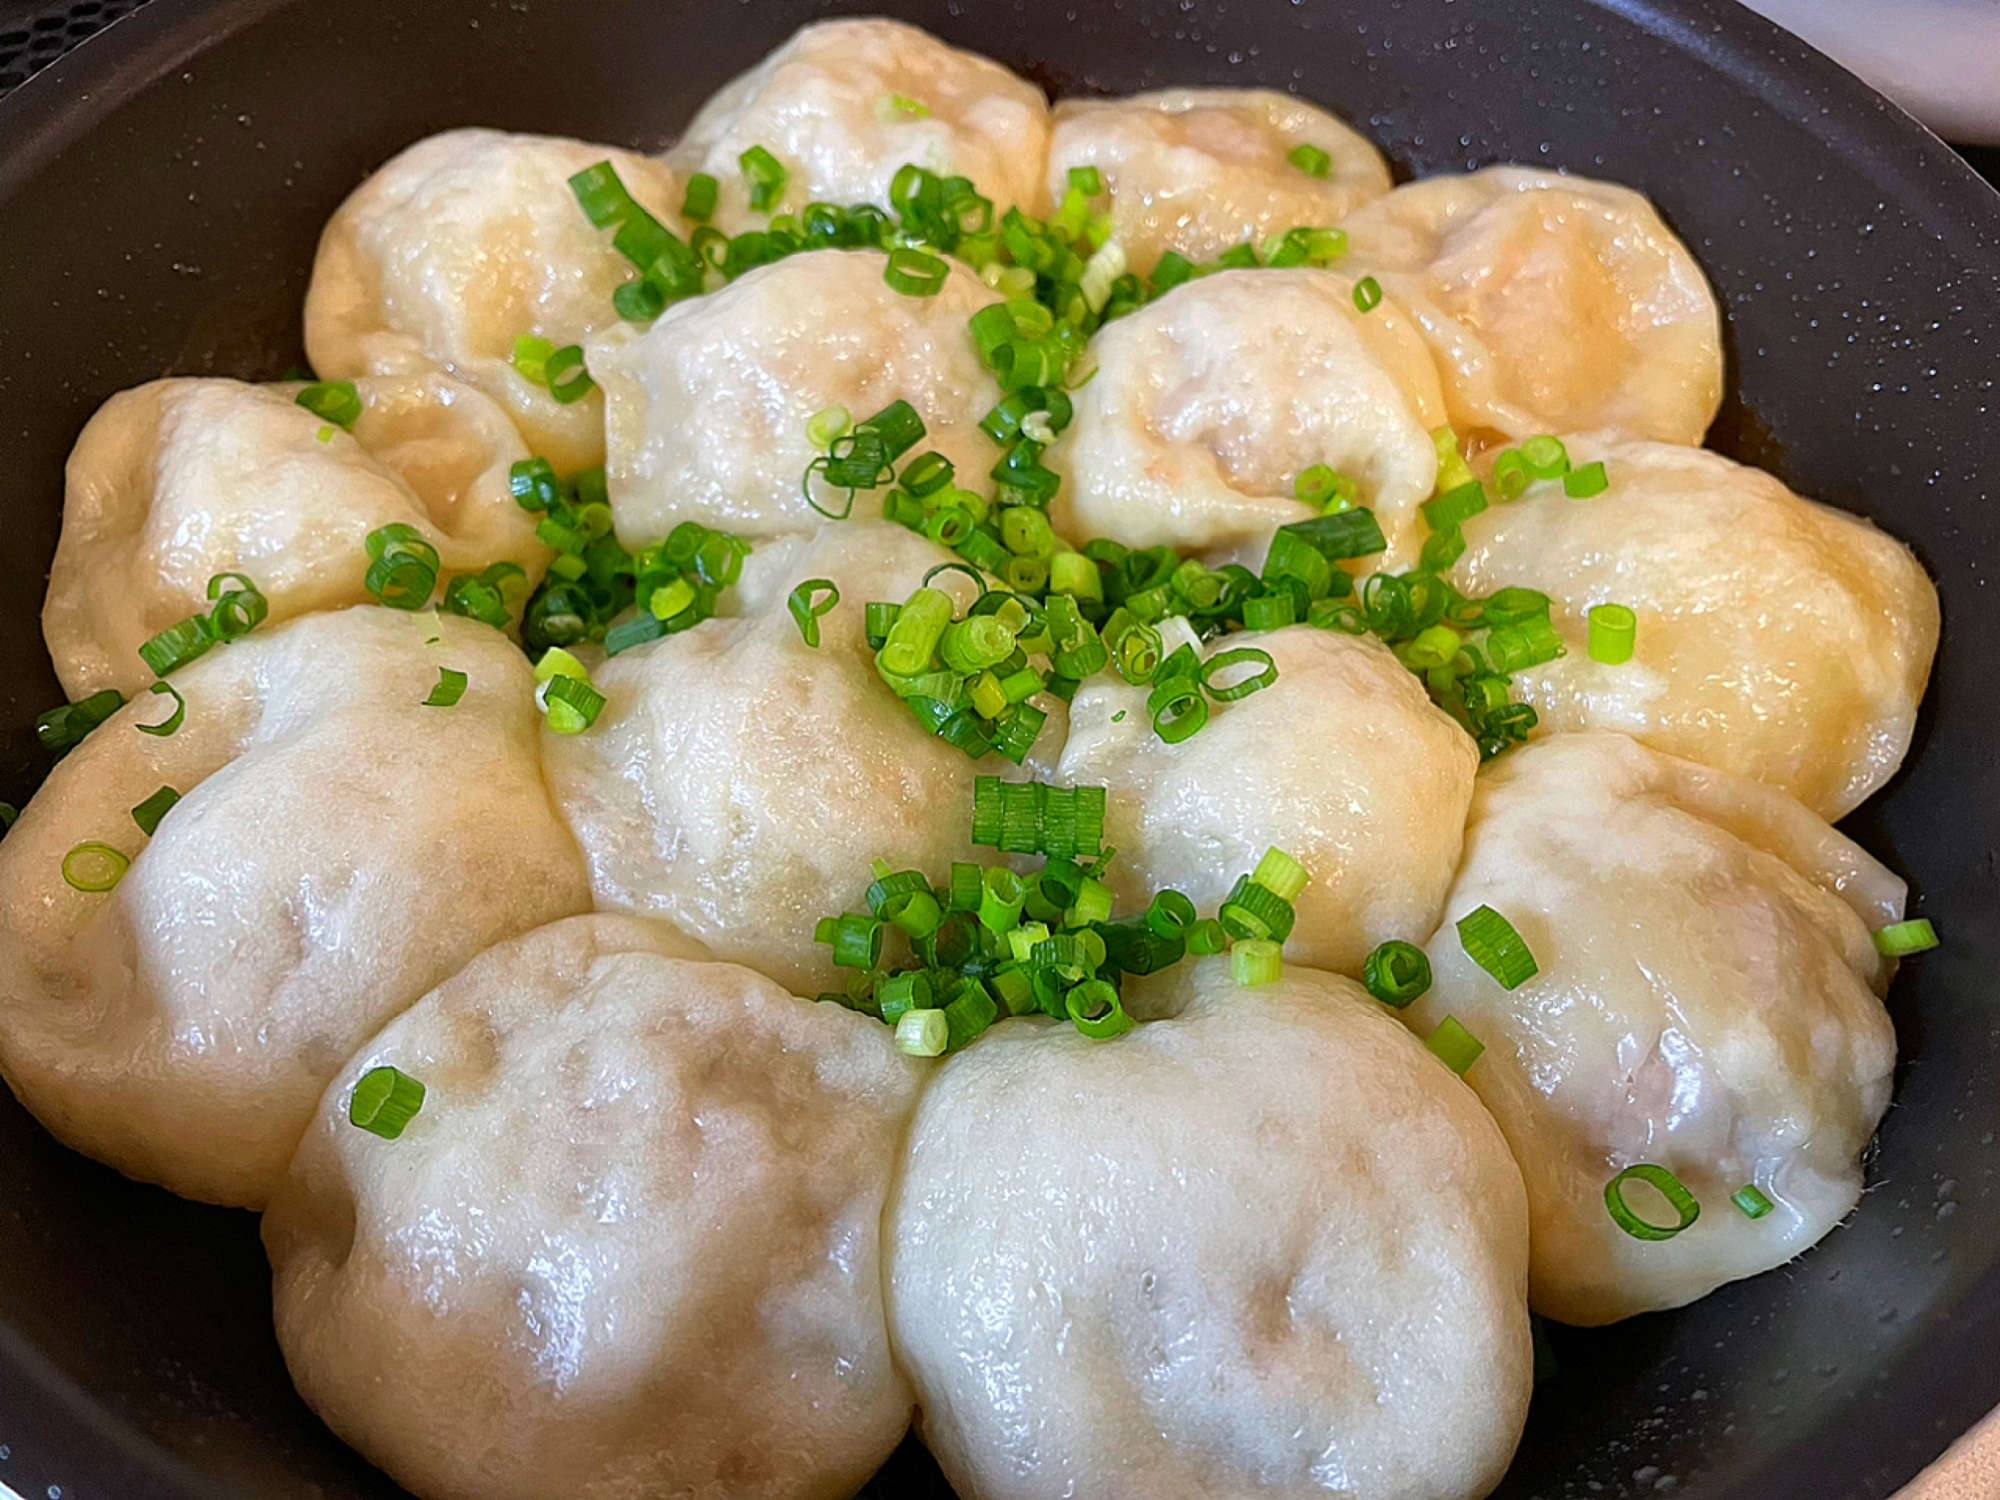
[923,1033]
[148,813]
[1310,159]
[173,720]
[94,868]
[177,645]
[335,401]
[1367,294]
[450,688]
[807,602]
[1583,483]
[1490,941]
[915,273]
[1256,961]
[384,1102]
[766,177]
[1614,629]
[1397,973]
[1683,1203]
[1458,1048]
[698,206]
[1901,939]
[1751,1201]
[1264,673]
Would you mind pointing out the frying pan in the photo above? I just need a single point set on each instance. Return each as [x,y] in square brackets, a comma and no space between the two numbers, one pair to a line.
[160,193]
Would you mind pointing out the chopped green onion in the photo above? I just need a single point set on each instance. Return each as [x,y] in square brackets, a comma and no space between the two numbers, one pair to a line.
[903,104]
[177,645]
[1613,631]
[1545,457]
[1683,1203]
[1367,294]
[237,611]
[1750,1199]
[970,1011]
[9,816]
[568,380]
[1583,483]
[1177,708]
[450,688]
[915,273]
[766,177]
[1342,535]
[173,720]
[923,1033]
[1242,687]
[810,600]
[1458,1048]
[1281,875]
[148,813]
[1256,961]
[1000,900]
[384,1102]
[1310,160]
[63,729]
[825,426]
[1901,939]
[1095,1010]
[403,567]
[698,207]
[335,401]
[1397,973]
[1171,915]
[1207,937]
[531,358]
[94,867]
[1252,911]
[1490,941]
[1455,507]
[571,704]
[856,939]
[1511,476]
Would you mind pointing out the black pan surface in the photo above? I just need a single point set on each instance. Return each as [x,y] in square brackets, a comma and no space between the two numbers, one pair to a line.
[160,193]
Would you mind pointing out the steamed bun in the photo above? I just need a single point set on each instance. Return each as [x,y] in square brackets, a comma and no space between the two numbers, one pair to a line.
[627,1248]
[1268,1248]
[1706,1002]
[463,243]
[739,781]
[337,850]
[845,103]
[1779,639]
[1343,762]
[706,411]
[1199,171]
[1553,303]
[1208,404]
[177,481]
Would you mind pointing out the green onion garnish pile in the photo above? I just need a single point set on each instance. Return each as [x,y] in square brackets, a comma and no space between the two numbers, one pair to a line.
[988,943]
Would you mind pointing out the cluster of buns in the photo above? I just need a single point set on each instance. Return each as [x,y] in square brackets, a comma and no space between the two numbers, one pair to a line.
[662,1227]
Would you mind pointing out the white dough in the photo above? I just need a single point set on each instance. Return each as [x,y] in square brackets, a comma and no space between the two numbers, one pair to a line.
[463,243]
[1343,762]
[1209,403]
[739,782]
[338,849]
[1200,171]
[825,104]
[177,481]
[1780,639]
[706,411]
[1270,1248]
[1704,1003]
[628,1246]
[1553,303]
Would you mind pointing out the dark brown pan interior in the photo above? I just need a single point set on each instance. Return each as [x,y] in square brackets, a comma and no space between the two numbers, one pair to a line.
[160,193]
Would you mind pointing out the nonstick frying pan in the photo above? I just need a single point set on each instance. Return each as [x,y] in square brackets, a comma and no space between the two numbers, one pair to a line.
[160,193]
